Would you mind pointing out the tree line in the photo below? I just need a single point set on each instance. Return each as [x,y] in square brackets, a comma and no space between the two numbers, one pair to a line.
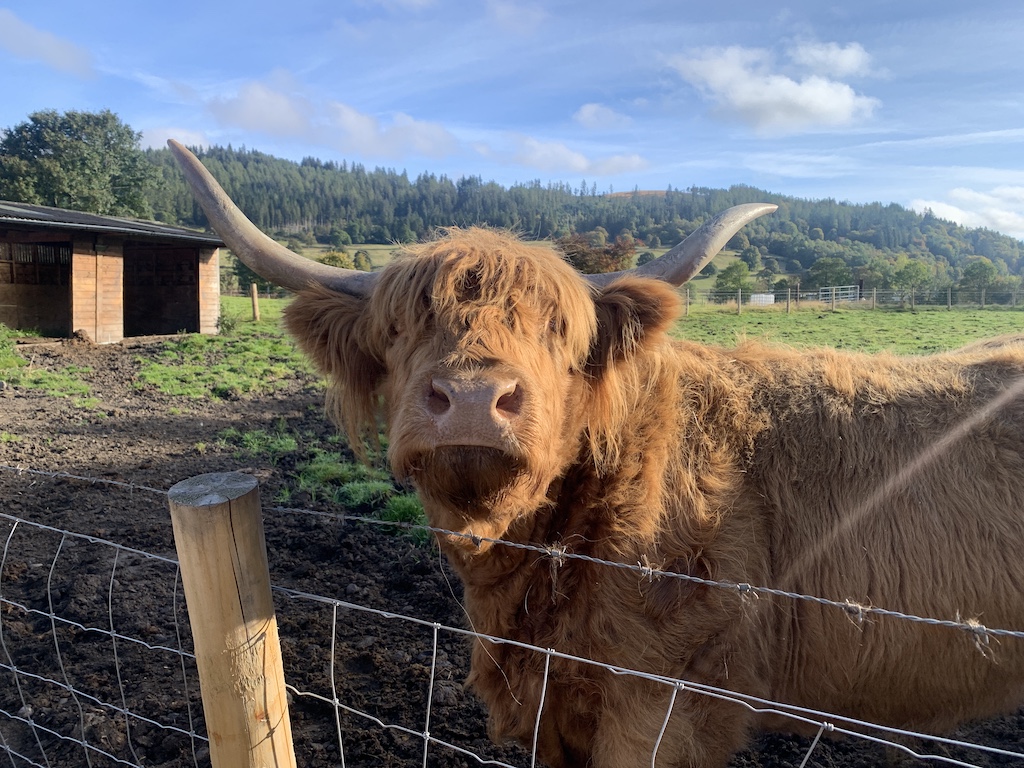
[92,161]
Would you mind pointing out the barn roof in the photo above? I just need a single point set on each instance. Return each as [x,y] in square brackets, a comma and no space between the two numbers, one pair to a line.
[23,216]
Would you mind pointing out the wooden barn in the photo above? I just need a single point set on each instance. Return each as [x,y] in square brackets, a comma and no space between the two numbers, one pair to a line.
[66,272]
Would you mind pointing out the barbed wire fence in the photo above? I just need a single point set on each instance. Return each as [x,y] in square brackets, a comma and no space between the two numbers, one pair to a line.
[96,648]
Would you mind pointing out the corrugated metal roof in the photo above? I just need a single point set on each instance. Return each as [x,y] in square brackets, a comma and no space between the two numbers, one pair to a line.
[24,216]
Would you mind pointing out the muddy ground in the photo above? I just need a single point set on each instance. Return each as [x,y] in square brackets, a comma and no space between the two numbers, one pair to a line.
[131,448]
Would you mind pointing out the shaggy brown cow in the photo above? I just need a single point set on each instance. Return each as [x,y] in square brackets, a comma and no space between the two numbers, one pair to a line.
[530,405]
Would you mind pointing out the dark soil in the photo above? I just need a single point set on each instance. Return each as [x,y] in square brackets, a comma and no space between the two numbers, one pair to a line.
[137,442]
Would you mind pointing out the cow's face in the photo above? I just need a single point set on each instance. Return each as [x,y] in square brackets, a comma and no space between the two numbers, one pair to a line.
[485,354]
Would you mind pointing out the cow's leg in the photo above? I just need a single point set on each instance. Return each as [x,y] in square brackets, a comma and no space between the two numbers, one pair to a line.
[702,732]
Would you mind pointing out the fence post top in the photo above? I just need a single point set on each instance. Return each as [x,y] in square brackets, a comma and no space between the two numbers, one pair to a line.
[211,489]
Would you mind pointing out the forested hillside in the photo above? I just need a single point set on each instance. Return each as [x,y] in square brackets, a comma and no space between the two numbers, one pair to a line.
[341,204]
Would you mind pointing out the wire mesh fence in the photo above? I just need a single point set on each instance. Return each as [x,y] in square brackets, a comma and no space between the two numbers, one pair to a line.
[857,297]
[98,669]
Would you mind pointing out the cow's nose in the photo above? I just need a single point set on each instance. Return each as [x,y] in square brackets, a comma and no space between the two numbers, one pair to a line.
[495,398]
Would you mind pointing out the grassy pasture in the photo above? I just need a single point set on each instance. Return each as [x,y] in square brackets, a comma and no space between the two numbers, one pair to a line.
[249,358]
[898,331]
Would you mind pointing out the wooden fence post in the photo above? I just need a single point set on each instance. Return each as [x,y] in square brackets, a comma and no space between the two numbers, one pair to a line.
[686,301]
[874,297]
[218,532]
[739,301]
[982,298]
[255,302]
[949,297]
[788,292]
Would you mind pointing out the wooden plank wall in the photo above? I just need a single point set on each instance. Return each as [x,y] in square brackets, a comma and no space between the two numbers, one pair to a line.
[97,291]
[209,290]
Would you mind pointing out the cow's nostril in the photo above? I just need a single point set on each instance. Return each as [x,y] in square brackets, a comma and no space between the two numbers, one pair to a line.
[510,403]
[438,401]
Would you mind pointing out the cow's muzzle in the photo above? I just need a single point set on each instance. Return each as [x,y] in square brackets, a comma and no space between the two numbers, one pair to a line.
[474,410]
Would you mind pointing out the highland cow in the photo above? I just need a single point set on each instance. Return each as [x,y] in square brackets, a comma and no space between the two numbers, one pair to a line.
[529,404]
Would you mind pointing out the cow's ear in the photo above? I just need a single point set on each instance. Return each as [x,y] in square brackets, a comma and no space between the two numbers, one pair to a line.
[332,329]
[327,325]
[632,314]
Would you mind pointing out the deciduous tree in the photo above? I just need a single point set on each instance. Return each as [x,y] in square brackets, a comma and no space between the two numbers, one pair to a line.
[735,277]
[85,161]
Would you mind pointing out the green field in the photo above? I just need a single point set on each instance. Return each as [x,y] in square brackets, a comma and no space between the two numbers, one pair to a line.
[899,331]
[249,358]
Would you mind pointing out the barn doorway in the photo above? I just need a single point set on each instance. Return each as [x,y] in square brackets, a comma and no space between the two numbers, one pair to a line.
[161,289]
[35,287]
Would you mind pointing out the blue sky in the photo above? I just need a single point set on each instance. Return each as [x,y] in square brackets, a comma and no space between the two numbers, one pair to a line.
[918,103]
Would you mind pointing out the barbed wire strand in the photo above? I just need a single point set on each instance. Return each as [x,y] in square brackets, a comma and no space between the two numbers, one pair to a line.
[978,630]
[647,572]
[753,703]
[19,470]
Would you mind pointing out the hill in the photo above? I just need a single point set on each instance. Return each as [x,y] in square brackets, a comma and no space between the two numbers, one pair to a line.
[341,203]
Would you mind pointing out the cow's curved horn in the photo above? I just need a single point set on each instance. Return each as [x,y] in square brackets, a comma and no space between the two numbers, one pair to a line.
[263,255]
[689,257]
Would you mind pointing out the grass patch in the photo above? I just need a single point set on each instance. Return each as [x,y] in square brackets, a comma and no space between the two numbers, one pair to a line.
[898,331]
[407,509]
[16,371]
[327,475]
[251,358]
[259,442]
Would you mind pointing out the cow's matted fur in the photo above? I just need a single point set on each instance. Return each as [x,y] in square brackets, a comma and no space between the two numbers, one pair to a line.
[882,480]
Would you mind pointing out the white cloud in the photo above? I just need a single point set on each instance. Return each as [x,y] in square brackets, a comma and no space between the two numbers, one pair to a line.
[354,131]
[599,117]
[26,42]
[801,165]
[973,138]
[555,157]
[832,59]
[258,107]
[748,84]
[1000,209]
[280,110]
[516,17]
